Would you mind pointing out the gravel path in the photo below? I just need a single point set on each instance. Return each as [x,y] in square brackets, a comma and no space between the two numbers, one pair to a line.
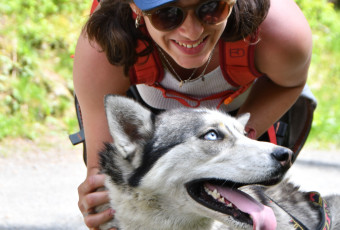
[38,185]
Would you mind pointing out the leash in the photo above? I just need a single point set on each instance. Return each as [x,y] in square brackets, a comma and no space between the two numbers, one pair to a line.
[317,200]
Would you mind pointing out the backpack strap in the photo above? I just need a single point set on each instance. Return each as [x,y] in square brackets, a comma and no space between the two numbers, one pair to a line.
[237,61]
[79,137]
[192,102]
[94,5]
[272,135]
[148,69]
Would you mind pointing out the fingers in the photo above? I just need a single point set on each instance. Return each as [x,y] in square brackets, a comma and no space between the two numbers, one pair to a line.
[90,197]
[94,199]
[92,183]
[87,197]
[94,220]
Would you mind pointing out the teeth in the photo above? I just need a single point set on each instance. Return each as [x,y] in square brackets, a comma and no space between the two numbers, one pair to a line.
[190,45]
[221,200]
[217,196]
[230,205]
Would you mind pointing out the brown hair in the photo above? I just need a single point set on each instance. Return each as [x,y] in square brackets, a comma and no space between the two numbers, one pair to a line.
[113,28]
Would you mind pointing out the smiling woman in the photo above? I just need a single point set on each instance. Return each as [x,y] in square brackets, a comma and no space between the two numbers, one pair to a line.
[238,56]
[117,48]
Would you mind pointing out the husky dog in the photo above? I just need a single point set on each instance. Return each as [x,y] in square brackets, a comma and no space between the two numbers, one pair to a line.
[184,169]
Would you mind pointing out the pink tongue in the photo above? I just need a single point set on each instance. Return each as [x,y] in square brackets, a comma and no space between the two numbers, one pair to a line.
[263,216]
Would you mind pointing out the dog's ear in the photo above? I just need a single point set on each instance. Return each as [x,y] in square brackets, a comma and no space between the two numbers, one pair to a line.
[244,118]
[130,125]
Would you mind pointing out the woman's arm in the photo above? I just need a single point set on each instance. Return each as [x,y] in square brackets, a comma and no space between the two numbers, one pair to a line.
[283,54]
[94,77]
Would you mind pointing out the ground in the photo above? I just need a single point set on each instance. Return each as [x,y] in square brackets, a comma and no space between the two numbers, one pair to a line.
[38,182]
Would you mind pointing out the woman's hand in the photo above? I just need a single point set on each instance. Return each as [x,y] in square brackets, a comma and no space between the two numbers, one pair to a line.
[90,197]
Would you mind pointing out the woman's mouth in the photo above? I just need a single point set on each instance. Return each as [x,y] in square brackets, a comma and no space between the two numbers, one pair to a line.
[193,45]
[191,48]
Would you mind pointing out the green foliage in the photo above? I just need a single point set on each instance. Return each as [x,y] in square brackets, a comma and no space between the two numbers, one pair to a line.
[37,38]
[324,77]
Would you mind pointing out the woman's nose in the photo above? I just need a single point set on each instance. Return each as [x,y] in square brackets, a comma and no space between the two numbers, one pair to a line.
[191,28]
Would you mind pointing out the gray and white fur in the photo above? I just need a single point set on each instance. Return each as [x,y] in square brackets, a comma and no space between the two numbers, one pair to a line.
[159,170]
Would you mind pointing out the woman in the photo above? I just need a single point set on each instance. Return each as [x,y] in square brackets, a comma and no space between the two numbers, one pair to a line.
[183,39]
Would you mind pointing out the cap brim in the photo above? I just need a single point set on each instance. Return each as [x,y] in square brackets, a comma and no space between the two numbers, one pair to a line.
[150,4]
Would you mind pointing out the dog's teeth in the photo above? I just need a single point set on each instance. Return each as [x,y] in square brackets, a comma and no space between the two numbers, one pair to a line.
[215,194]
[229,205]
[206,189]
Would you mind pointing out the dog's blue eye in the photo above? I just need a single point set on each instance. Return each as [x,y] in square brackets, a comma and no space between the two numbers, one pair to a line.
[211,136]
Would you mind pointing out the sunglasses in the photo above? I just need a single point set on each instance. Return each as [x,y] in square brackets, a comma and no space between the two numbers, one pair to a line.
[169,17]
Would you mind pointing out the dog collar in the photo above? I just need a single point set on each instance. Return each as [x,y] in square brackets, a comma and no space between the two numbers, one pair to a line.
[325,214]
[316,199]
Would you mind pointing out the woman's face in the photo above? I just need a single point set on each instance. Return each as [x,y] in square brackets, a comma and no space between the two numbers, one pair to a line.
[190,44]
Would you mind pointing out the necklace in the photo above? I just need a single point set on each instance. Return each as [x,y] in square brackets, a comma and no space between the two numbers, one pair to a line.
[181,81]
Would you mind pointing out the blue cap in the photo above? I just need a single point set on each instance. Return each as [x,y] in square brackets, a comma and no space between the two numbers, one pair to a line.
[150,4]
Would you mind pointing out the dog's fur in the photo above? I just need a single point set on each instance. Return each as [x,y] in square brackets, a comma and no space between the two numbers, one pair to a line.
[157,166]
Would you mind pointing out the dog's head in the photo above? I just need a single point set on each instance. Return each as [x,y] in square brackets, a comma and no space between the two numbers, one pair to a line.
[194,160]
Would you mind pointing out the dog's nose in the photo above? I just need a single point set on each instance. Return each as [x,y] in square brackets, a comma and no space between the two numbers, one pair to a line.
[283,155]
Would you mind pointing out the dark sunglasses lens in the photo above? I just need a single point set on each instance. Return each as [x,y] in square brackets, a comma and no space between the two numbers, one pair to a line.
[167,18]
[213,12]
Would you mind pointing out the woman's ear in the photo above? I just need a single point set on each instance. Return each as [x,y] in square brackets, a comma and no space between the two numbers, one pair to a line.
[231,2]
[135,9]
[137,14]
